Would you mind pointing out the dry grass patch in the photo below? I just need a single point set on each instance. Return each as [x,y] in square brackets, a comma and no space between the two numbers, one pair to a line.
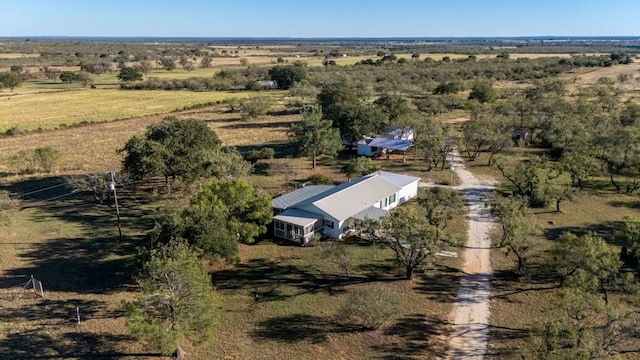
[52,110]
[294,315]
[70,244]
[518,305]
[92,148]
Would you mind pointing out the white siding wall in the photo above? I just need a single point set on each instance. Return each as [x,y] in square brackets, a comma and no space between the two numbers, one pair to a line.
[335,232]
[407,192]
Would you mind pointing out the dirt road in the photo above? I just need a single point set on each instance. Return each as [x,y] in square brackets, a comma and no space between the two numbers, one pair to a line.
[471,312]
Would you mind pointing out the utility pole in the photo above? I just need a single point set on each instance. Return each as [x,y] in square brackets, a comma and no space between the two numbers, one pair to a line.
[112,186]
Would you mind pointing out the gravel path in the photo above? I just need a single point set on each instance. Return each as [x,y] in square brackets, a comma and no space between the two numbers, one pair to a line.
[471,313]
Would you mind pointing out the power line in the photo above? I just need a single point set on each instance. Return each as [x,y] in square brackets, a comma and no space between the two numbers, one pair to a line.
[39,190]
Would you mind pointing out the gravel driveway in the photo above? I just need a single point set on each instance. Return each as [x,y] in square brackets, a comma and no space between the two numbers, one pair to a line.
[471,312]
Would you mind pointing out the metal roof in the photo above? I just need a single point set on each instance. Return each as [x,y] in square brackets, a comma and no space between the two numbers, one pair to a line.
[400,145]
[298,217]
[396,179]
[294,197]
[372,213]
[347,199]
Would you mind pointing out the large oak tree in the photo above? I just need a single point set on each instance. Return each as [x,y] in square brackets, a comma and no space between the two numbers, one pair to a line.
[172,148]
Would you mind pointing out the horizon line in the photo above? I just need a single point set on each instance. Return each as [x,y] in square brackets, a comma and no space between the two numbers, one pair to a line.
[295,38]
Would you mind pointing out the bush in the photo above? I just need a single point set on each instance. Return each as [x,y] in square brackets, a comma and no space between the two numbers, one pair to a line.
[371,306]
[258,154]
[319,180]
[255,107]
[30,161]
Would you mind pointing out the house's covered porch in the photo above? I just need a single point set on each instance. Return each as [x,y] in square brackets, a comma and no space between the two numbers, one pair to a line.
[296,225]
[354,223]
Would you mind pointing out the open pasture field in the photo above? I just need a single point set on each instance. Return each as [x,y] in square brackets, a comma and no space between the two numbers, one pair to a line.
[92,148]
[519,305]
[47,111]
[590,76]
[17,55]
[71,244]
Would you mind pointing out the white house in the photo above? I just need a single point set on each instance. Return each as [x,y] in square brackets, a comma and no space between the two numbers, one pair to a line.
[396,138]
[332,210]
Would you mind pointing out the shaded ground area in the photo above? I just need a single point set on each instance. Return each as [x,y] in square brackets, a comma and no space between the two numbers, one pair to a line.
[292,297]
[67,240]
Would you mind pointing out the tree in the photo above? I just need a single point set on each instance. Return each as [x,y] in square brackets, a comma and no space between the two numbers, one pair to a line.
[172,148]
[487,132]
[452,87]
[167,63]
[184,62]
[175,300]
[337,255]
[434,141]
[68,77]
[355,120]
[360,165]
[581,166]
[248,207]
[631,233]
[410,236]
[537,181]
[585,328]
[371,305]
[84,78]
[313,136]
[441,205]
[144,67]
[10,79]
[393,106]
[129,73]
[303,89]
[483,91]
[255,107]
[334,96]
[286,76]
[622,157]
[517,234]
[227,163]
[46,157]
[221,214]
[588,263]
[205,62]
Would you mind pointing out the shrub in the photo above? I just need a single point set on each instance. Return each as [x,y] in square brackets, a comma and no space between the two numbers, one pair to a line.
[371,306]
[30,161]
[46,157]
[319,180]
[258,154]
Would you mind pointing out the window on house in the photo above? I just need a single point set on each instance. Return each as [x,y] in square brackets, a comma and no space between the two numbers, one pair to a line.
[392,199]
[328,223]
[279,229]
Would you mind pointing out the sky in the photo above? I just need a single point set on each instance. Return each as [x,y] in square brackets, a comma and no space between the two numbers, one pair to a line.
[319,18]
